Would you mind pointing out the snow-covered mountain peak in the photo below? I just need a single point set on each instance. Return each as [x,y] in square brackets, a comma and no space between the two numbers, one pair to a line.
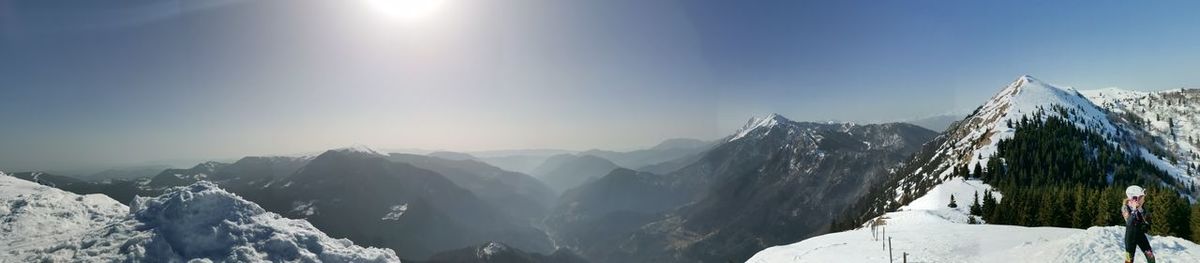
[1021,99]
[490,249]
[973,140]
[1159,127]
[1029,82]
[765,121]
[757,123]
[1024,79]
[359,148]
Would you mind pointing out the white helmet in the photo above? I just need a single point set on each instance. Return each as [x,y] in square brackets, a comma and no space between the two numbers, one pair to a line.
[1134,190]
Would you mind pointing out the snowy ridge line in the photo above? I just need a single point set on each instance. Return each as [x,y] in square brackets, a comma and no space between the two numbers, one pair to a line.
[762,126]
[1170,118]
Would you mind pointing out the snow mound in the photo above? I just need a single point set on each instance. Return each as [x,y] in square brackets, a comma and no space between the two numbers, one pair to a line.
[34,216]
[928,237]
[197,222]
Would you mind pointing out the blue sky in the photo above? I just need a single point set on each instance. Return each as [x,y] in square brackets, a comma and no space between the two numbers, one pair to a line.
[101,82]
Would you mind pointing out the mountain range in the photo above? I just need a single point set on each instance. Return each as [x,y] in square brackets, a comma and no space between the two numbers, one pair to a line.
[739,197]
[773,182]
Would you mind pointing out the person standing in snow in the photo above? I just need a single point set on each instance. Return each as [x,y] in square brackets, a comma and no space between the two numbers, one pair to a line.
[1137,223]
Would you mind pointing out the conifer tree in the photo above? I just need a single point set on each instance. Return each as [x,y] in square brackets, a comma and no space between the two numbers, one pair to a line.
[1195,222]
[1163,214]
[1104,210]
[988,206]
[976,210]
[952,204]
[1084,208]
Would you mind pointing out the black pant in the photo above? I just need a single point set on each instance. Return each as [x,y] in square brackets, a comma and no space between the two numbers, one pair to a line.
[1134,240]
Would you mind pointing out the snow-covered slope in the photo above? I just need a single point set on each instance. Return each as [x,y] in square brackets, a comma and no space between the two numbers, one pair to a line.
[962,190]
[1166,124]
[927,237]
[200,221]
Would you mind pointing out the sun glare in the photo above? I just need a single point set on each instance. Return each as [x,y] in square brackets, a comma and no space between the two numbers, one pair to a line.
[406,9]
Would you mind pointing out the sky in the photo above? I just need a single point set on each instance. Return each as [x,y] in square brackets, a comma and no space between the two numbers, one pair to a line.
[129,81]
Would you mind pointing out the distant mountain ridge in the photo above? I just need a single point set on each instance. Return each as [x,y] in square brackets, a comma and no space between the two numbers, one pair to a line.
[524,196]
[566,171]
[665,151]
[365,196]
[711,209]
[371,197]
[937,122]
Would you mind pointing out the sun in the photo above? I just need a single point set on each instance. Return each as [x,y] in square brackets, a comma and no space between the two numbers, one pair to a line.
[406,9]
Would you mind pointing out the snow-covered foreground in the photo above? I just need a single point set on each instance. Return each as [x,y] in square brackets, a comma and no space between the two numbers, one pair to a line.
[197,222]
[35,217]
[929,237]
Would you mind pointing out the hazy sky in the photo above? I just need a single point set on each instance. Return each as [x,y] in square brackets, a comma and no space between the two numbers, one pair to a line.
[97,82]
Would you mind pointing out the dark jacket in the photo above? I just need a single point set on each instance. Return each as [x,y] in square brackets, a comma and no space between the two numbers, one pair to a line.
[1138,221]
